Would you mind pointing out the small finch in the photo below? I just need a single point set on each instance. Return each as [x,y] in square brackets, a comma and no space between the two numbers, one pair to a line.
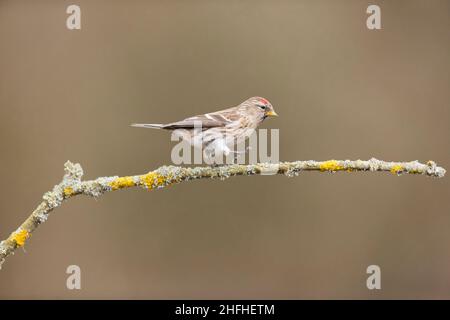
[217,132]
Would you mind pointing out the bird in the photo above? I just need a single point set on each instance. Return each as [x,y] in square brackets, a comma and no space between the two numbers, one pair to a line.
[216,133]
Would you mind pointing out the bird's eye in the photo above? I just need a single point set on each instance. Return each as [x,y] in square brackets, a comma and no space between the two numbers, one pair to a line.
[262,107]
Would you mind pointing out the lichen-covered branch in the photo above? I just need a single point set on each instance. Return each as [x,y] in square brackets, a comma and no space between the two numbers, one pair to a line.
[72,185]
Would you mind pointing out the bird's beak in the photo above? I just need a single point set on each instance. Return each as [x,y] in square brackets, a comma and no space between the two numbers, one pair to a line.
[271,114]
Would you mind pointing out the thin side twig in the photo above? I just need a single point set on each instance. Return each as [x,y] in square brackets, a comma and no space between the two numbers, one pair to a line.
[71,184]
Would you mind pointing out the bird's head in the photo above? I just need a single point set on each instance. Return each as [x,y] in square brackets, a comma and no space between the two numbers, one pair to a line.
[262,106]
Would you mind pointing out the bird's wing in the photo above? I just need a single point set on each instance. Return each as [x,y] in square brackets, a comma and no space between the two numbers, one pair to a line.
[208,120]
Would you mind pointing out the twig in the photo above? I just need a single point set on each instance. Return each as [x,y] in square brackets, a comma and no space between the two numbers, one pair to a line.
[71,185]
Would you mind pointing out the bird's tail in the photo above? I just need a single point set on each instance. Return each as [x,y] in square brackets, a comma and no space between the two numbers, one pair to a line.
[148,125]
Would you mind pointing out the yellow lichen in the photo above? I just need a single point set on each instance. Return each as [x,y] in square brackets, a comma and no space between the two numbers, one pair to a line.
[152,180]
[19,237]
[396,169]
[331,165]
[68,191]
[122,182]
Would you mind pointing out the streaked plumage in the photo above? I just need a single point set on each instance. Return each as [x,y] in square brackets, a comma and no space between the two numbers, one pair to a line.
[220,129]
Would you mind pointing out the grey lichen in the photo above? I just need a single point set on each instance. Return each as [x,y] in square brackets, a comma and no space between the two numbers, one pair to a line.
[72,185]
[73,171]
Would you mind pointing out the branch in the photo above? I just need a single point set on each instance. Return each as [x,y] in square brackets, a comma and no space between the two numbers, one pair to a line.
[71,185]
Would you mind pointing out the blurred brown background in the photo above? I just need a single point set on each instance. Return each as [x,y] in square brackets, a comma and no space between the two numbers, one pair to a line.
[342,91]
